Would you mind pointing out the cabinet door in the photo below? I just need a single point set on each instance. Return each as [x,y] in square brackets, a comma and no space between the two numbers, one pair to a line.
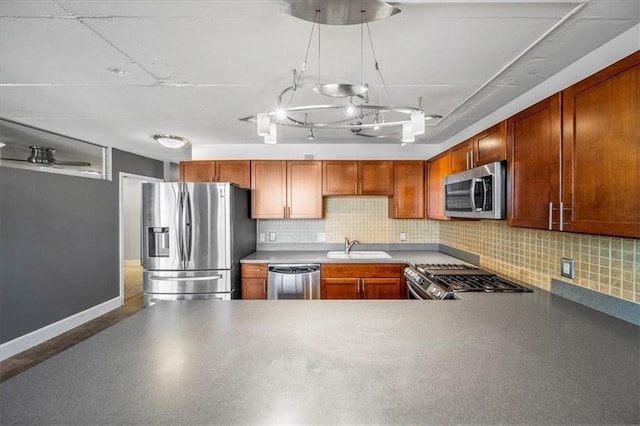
[376,177]
[254,280]
[381,288]
[490,145]
[461,156]
[339,177]
[533,137]
[254,288]
[304,189]
[601,152]
[408,201]
[437,170]
[269,185]
[340,288]
[235,171]
[198,171]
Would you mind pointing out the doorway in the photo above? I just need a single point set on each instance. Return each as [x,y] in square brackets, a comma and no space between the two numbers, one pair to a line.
[131,237]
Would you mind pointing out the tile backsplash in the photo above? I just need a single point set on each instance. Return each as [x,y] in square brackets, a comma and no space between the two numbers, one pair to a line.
[605,264]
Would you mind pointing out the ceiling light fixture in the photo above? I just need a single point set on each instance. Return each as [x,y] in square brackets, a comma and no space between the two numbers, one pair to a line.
[170,141]
[372,119]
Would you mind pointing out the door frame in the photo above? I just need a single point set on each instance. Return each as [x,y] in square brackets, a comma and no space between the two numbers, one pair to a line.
[122,177]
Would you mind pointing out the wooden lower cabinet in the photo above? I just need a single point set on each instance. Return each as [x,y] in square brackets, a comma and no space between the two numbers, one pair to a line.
[362,281]
[254,280]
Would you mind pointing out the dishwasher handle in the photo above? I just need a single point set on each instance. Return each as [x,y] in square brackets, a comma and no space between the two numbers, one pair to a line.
[294,268]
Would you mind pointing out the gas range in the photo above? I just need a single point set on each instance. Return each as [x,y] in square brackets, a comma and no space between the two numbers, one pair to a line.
[443,281]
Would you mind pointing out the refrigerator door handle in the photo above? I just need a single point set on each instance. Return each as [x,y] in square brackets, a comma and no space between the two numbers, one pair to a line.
[180,225]
[188,227]
[206,278]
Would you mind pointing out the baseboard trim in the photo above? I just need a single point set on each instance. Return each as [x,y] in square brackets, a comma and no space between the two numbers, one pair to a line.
[29,340]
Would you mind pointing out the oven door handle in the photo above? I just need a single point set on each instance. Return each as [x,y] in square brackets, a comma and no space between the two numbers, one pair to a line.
[413,292]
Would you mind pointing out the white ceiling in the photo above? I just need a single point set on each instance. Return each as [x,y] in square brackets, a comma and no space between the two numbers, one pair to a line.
[116,72]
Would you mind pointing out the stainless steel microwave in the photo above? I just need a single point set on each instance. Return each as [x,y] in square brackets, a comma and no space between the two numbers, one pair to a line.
[477,193]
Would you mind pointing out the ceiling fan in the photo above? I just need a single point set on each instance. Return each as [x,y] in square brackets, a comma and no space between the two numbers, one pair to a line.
[43,156]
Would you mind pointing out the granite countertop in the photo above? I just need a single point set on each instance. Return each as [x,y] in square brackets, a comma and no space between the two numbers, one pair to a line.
[531,358]
[320,256]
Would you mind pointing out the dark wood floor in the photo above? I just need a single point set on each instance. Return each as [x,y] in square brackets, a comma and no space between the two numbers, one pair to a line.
[35,355]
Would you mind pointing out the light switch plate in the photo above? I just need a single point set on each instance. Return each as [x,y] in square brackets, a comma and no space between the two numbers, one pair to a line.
[272,237]
[567,269]
[403,236]
[262,237]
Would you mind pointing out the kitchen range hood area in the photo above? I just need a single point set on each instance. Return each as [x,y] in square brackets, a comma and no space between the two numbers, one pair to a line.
[467,244]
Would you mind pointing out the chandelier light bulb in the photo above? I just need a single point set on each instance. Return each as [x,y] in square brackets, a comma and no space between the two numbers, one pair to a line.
[407,133]
[263,124]
[351,109]
[417,122]
[272,137]
[281,113]
[311,136]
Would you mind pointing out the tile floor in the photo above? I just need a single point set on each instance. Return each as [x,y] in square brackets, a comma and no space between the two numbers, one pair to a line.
[133,303]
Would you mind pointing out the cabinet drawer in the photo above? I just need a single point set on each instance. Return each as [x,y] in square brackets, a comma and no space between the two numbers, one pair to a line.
[362,270]
[254,270]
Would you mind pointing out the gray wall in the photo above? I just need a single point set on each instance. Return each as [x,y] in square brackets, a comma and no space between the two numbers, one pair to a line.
[59,243]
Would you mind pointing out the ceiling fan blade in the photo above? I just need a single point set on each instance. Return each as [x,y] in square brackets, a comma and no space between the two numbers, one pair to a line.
[14,159]
[71,163]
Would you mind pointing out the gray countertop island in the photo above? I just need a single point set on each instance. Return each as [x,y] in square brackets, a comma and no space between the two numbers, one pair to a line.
[530,358]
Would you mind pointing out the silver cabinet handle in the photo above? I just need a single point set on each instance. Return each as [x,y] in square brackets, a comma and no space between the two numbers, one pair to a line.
[550,216]
[561,215]
[207,278]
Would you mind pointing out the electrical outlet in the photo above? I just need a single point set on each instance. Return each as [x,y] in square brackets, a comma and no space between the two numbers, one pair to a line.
[262,237]
[322,237]
[566,268]
[403,236]
[272,237]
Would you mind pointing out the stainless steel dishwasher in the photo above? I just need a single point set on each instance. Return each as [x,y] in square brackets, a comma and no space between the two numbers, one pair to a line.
[294,281]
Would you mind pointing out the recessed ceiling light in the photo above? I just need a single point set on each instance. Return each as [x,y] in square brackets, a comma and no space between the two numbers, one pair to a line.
[170,141]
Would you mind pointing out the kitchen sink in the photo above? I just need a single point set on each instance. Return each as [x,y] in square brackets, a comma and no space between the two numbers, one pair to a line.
[363,254]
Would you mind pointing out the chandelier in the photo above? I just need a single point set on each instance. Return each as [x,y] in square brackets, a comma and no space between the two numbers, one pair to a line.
[350,107]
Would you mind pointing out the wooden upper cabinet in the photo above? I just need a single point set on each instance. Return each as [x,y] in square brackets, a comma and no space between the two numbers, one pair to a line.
[601,152]
[408,201]
[286,189]
[376,177]
[234,171]
[533,191]
[484,148]
[339,177]
[357,177]
[304,190]
[437,169]
[461,156]
[269,185]
[491,145]
[198,171]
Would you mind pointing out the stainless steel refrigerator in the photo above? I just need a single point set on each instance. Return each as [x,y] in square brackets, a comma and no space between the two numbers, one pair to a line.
[194,235]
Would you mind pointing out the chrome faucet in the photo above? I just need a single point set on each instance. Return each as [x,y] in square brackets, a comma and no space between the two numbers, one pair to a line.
[348,244]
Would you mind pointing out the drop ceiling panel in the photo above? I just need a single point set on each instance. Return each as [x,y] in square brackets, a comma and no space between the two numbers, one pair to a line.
[60,51]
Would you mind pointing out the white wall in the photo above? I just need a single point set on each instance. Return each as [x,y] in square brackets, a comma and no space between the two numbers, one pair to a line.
[320,151]
[132,217]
